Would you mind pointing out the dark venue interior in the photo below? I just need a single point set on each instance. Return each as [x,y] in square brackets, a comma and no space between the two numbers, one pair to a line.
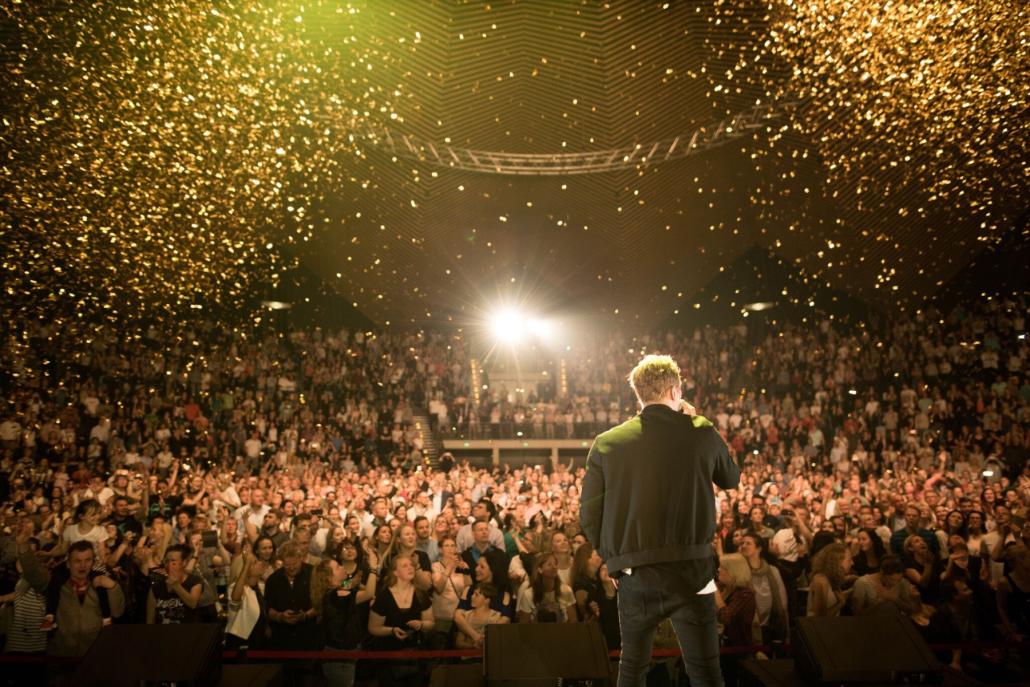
[324,324]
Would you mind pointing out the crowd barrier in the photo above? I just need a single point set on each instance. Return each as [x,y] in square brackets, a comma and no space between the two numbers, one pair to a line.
[341,655]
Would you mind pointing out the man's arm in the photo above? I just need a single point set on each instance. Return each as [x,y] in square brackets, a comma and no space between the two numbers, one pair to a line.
[727,473]
[191,596]
[33,571]
[115,596]
[591,506]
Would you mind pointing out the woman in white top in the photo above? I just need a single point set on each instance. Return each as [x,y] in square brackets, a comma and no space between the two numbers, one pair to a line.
[86,527]
[449,584]
[247,622]
[547,598]
[562,549]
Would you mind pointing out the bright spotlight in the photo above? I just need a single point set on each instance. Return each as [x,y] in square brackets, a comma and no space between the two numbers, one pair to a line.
[508,326]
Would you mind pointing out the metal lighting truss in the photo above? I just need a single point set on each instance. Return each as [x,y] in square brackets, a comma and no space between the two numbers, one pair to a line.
[702,139]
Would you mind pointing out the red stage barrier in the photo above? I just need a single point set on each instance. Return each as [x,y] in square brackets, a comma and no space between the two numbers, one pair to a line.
[473,653]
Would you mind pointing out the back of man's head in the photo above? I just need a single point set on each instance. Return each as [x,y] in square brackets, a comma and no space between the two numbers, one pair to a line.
[653,376]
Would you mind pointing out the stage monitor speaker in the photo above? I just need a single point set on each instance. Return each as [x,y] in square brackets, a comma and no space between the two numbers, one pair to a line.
[782,673]
[252,675]
[882,648]
[140,655]
[458,675]
[527,655]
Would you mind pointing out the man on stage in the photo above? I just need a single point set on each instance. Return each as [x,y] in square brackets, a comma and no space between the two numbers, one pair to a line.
[648,508]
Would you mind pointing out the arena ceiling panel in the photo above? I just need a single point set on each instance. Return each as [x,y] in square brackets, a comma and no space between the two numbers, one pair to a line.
[429,159]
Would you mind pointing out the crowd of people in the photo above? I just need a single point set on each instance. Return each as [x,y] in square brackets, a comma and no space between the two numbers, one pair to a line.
[275,481]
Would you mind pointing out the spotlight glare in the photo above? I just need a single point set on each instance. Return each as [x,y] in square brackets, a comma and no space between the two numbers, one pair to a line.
[543,329]
[507,326]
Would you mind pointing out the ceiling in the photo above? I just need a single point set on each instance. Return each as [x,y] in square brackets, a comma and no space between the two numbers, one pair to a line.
[420,238]
[432,160]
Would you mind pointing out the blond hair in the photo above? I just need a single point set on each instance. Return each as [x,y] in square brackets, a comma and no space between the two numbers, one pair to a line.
[830,562]
[653,376]
[289,549]
[737,567]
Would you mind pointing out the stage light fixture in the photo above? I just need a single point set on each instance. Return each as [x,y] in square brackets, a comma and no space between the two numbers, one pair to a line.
[508,326]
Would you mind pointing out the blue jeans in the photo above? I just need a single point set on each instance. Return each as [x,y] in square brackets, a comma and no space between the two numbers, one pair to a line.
[647,597]
[339,673]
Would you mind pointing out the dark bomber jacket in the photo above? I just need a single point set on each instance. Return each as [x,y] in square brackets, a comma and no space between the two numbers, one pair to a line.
[647,494]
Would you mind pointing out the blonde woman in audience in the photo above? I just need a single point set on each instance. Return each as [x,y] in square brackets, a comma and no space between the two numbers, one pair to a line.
[830,568]
[404,541]
[735,611]
[735,601]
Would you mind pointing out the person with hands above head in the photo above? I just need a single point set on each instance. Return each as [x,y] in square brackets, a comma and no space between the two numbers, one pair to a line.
[648,507]
[335,596]
[247,621]
[174,593]
[78,590]
[24,634]
[451,579]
